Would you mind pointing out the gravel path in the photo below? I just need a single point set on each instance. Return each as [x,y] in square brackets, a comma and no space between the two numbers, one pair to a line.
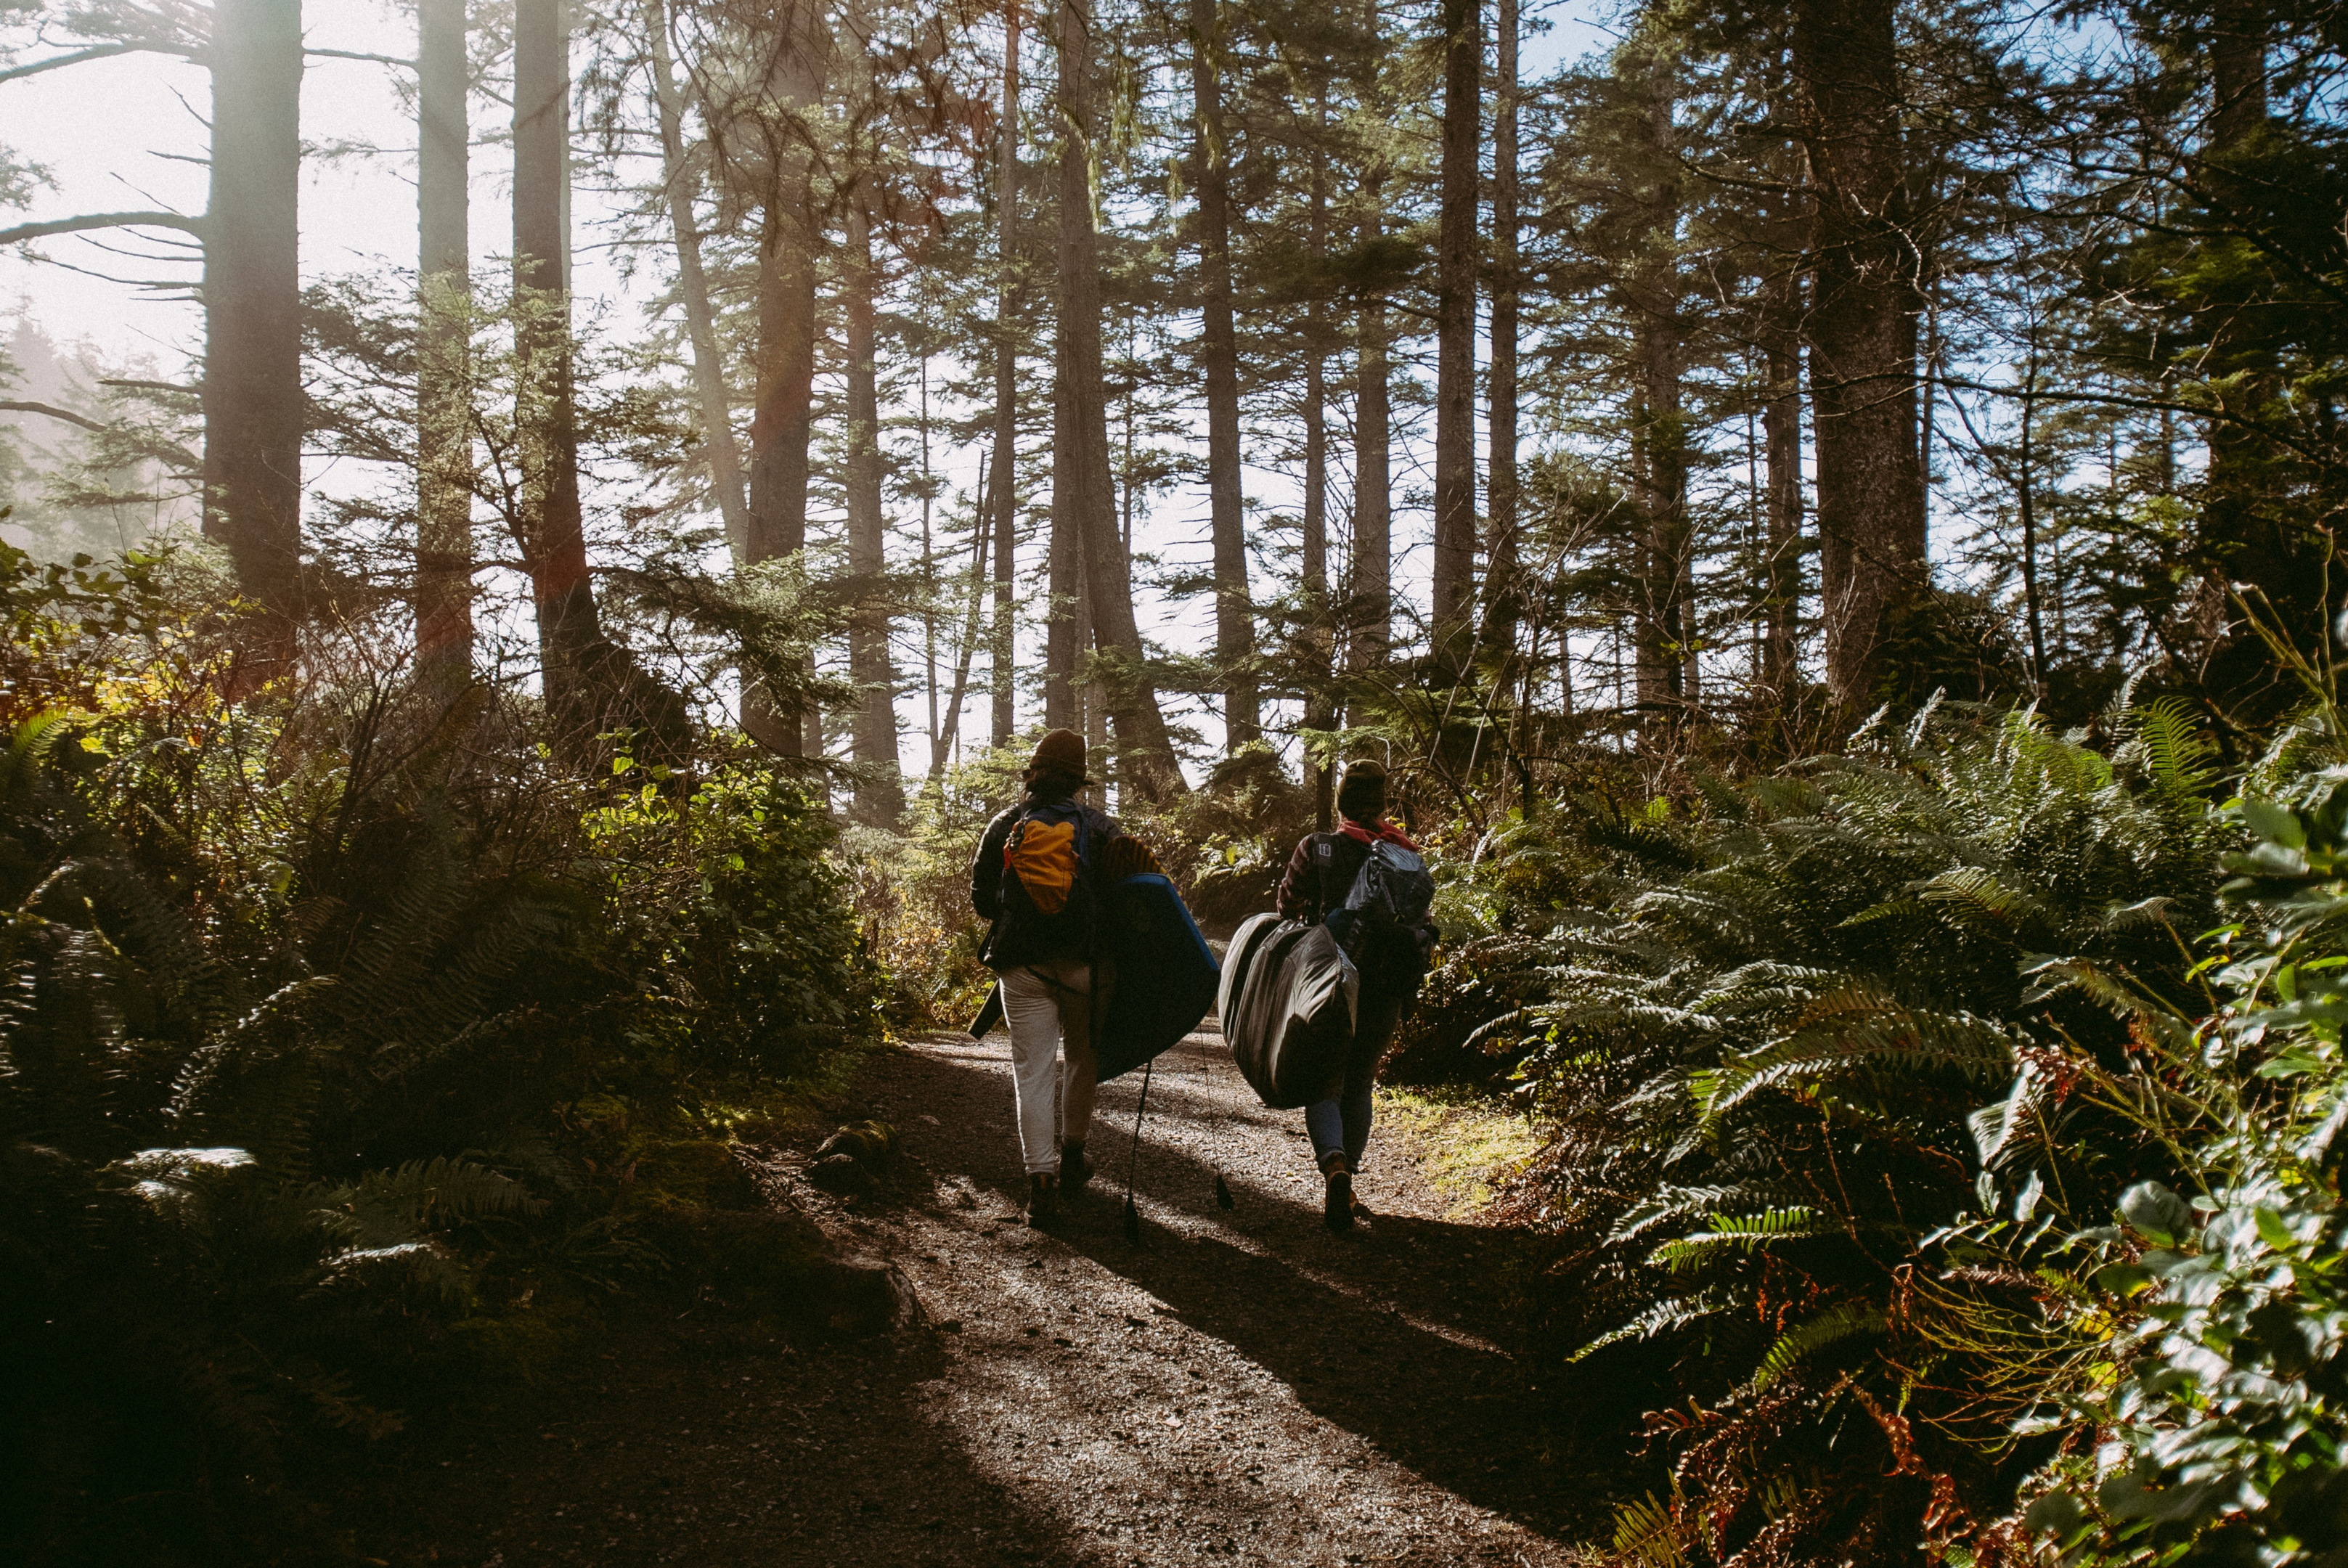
[1242,1386]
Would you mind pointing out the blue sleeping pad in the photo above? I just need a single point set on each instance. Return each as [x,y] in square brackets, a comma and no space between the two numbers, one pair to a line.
[1166,973]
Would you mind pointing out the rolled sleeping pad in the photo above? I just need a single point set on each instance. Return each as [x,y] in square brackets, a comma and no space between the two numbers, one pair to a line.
[1288,1001]
[1160,973]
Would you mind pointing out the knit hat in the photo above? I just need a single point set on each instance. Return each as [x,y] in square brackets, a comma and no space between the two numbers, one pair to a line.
[1361,793]
[1061,751]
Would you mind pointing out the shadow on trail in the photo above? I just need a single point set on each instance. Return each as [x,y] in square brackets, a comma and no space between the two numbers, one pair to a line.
[1358,1345]
[696,1447]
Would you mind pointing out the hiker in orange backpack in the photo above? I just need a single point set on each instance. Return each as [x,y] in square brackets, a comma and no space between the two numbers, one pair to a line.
[1368,885]
[1037,876]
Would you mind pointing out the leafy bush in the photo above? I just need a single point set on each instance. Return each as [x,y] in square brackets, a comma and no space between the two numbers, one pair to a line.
[341,1025]
[2193,1346]
[1759,1029]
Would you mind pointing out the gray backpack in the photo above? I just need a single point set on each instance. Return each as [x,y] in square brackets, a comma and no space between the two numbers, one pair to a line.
[1385,905]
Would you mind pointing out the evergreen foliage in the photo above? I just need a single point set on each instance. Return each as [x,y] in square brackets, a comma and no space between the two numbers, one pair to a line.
[326,1017]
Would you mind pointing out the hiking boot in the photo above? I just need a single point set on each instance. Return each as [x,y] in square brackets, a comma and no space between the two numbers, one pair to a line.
[1076,1168]
[1043,1199]
[1337,1206]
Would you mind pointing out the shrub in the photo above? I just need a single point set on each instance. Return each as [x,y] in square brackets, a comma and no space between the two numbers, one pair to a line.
[340,1023]
[1760,1031]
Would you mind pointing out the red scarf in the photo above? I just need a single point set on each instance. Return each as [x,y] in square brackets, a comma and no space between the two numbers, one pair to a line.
[1380,829]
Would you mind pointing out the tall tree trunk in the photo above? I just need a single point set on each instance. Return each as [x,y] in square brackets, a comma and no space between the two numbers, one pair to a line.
[1219,358]
[2237,72]
[553,541]
[444,434]
[1660,616]
[1369,596]
[2245,536]
[943,747]
[1004,494]
[253,312]
[1146,762]
[1073,392]
[1320,707]
[1503,594]
[725,456]
[880,799]
[1781,427]
[1064,630]
[1662,636]
[783,408]
[1862,333]
[1455,329]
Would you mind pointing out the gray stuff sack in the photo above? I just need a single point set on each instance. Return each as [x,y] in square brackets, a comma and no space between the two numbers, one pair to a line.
[1288,1001]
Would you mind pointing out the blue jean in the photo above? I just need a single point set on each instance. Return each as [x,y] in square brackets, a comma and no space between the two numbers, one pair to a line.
[1342,1125]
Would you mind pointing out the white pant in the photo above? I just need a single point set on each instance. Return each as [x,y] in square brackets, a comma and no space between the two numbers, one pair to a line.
[1049,1009]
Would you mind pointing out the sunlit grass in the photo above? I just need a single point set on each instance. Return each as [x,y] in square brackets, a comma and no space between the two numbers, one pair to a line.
[1468,1145]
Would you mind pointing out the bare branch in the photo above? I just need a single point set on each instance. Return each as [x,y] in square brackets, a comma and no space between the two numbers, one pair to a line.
[58,62]
[9,406]
[88,220]
[153,385]
[349,55]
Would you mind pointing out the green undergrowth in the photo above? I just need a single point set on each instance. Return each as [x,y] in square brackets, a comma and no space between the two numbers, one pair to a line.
[1469,1145]
[1938,1150]
[364,1060]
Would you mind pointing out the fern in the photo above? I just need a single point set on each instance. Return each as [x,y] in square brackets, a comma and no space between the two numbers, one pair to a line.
[1647,1532]
[1805,1338]
[390,1208]
[1741,1233]
[1661,1319]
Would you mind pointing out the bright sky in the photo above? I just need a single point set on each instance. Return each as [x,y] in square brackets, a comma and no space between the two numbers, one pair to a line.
[118,134]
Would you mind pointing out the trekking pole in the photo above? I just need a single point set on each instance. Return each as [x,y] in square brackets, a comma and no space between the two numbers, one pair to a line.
[1132,1214]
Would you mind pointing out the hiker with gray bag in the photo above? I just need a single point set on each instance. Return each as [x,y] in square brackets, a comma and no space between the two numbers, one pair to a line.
[1367,886]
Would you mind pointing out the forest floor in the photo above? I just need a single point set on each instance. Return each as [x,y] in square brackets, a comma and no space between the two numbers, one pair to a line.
[1243,1385]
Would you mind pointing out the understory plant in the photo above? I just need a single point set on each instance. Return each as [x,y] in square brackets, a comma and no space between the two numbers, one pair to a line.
[1759,1022]
[2191,1342]
[352,1050]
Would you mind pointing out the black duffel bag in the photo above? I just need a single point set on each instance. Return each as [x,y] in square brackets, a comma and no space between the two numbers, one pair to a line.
[1287,1001]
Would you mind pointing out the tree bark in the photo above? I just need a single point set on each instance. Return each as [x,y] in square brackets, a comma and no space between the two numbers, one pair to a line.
[1503,593]
[1862,336]
[1074,389]
[252,311]
[1066,631]
[444,436]
[1781,427]
[1219,358]
[1145,761]
[2244,540]
[1663,638]
[783,404]
[1455,331]
[1004,495]
[2237,72]
[553,541]
[880,800]
[1320,707]
[1369,596]
[725,456]
[1661,614]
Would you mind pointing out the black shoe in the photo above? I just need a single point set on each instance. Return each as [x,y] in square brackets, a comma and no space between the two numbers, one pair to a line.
[1337,1205]
[1042,1200]
[1076,1168]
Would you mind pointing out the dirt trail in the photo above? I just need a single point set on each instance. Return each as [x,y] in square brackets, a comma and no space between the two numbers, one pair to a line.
[1242,1386]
